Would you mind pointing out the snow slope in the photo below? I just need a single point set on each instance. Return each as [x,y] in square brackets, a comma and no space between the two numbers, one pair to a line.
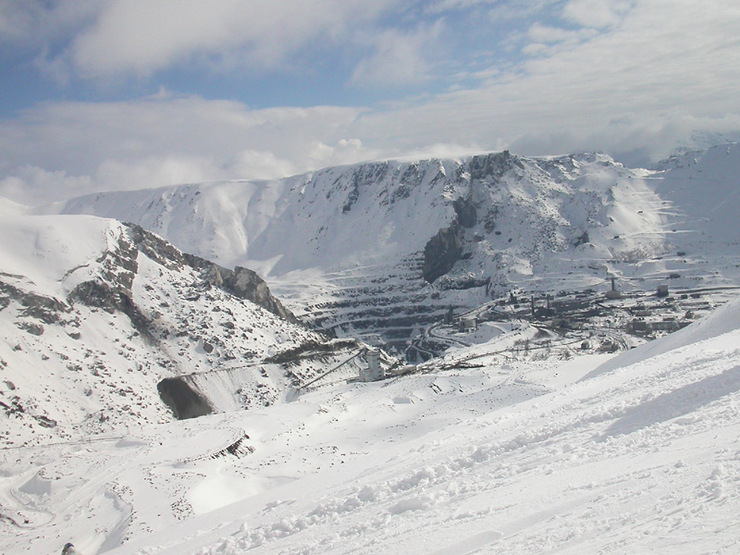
[494,459]
[94,314]
[312,221]
[700,191]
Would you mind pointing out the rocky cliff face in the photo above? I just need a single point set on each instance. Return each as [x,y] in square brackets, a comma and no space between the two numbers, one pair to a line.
[445,249]
[244,283]
[442,252]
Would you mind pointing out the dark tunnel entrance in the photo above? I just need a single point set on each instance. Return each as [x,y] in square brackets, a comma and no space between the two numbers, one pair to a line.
[184,401]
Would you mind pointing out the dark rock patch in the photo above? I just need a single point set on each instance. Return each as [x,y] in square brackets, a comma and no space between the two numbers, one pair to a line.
[442,252]
[246,284]
[493,165]
[240,282]
[31,327]
[465,211]
[102,295]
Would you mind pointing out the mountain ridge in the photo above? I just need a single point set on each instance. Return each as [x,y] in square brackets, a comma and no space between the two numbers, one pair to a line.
[383,249]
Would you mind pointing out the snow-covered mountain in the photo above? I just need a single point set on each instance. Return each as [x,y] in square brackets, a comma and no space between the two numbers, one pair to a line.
[105,326]
[382,250]
[702,191]
[522,432]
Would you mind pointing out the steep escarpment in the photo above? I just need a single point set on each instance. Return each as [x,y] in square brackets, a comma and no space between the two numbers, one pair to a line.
[444,249]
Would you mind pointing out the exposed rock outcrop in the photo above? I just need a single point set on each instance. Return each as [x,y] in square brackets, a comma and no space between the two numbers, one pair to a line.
[246,284]
[466,213]
[493,165]
[240,282]
[88,341]
[442,251]
[45,309]
[381,232]
[111,297]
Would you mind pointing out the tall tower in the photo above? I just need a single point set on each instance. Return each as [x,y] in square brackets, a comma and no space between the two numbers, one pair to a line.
[374,371]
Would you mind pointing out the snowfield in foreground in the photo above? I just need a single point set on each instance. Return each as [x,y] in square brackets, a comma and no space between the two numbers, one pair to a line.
[637,456]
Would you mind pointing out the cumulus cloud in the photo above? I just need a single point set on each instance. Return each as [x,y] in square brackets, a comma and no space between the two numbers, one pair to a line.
[165,140]
[32,184]
[260,164]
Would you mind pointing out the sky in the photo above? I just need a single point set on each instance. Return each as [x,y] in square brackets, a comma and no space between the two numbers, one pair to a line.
[126,94]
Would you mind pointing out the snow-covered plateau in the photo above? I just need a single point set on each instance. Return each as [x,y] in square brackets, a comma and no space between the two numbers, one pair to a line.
[560,338]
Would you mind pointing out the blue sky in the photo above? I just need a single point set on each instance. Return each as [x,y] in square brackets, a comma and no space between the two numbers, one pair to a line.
[79,60]
[120,94]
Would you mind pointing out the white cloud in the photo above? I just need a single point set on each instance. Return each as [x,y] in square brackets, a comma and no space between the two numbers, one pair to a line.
[548,34]
[165,140]
[549,40]
[634,139]
[141,38]
[30,24]
[344,151]
[400,58]
[668,65]
[155,171]
[596,13]
[113,40]
[32,184]
[260,164]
